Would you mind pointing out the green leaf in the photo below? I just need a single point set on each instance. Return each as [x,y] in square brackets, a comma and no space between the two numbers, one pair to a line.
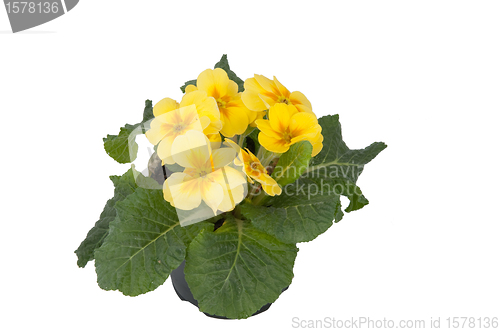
[122,147]
[224,64]
[237,269]
[294,219]
[145,243]
[191,82]
[125,185]
[306,207]
[337,167]
[96,235]
[148,111]
[293,163]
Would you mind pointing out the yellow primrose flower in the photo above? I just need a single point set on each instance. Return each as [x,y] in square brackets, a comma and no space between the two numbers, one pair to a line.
[206,106]
[167,126]
[254,170]
[261,93]
[195,111]
[254,116]
[234,114]
[206,177]
[287,126]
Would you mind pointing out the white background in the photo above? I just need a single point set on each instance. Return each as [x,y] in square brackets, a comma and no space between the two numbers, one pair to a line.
[422,76]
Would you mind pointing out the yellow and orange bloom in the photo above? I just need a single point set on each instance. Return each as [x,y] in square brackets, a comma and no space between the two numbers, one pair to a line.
[207,175]
[261,93]
[167,126]
[254,116]
[234,115]
[196,111]
[255,170]
[214,176]
[206,106]
[287,126]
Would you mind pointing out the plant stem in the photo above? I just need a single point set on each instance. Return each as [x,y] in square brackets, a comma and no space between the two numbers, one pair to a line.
[261,198]
[237,212]
[241,140]
[254,187]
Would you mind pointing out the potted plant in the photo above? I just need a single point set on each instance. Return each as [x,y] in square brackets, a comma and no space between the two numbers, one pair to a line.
[241,172]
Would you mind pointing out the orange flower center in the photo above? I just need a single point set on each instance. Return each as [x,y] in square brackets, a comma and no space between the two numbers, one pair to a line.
[287,137]
[178,128]
[221,103]
[283,99]
[254,169]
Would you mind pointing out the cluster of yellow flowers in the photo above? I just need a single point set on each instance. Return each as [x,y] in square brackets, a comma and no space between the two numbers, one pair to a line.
[189,134]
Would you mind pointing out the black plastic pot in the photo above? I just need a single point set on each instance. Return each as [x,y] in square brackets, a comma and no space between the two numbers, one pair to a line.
[182,289]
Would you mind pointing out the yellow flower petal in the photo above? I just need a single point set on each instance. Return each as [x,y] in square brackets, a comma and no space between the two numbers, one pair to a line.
[279,116]
[300,138]
[270,186]
[317,143]
[265,127]
[304,124]
[214,81]
[250,96]
[235,121]
[233,177]
[317,147]
[272,190]
[232,196]
[272,144]
[232,89]
[165,105]
[183,191]
[253,116]
[267,100]
[215,141]
[211,193]
[210,109]
[213,128]
[204,121]
[173,122]
[261,93]
[223,157]
[318,137]
[164,150]
[281,89]
[305,109]
[193,98]
[205,106]
[238,161]
[157,131]
[190,88]
[189,116]
[191,150]
[167,195]
[266,84]
[298,98]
